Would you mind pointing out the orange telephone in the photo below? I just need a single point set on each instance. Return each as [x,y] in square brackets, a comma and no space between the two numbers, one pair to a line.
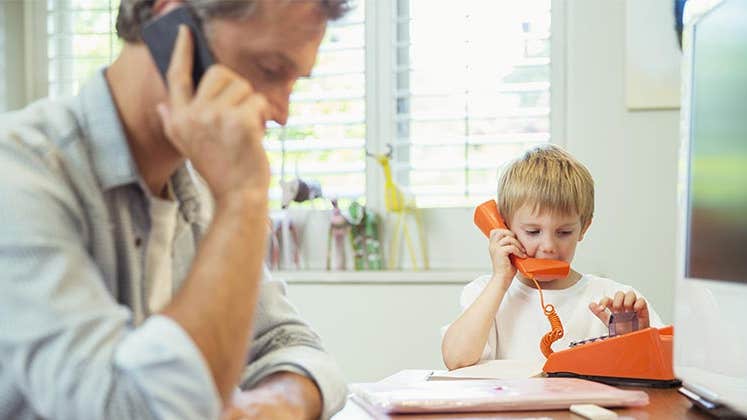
[488,218]
[639,358]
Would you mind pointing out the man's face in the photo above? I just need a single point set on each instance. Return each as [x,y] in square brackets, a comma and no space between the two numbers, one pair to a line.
[547,234]
[272,48]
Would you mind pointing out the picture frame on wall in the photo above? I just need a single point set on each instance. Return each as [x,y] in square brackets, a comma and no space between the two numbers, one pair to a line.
[652,55]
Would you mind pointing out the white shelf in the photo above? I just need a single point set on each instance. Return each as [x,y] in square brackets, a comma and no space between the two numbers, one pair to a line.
[377,277]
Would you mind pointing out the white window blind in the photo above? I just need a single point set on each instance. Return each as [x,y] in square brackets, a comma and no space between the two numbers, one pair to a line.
[325,137]
[472,80]
[81,39]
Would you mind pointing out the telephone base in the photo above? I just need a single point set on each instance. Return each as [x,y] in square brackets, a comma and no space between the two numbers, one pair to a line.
[638,358]
[609,380]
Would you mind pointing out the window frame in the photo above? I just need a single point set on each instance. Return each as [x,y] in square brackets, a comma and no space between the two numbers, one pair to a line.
[379,115]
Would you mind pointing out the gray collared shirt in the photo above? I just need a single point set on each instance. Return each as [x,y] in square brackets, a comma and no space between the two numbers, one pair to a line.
[77,340]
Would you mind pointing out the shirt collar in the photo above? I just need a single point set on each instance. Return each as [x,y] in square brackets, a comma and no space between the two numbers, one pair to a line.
[102,129]
[110,152]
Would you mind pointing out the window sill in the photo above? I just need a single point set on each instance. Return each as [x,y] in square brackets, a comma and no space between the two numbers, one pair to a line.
[323,277]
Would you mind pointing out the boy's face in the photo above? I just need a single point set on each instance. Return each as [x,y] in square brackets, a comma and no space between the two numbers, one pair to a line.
[548,235]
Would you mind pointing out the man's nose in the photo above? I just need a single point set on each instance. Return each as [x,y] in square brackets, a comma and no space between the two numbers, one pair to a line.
[280,112]
[280,103]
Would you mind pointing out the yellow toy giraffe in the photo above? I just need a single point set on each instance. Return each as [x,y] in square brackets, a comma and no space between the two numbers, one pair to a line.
[403,205]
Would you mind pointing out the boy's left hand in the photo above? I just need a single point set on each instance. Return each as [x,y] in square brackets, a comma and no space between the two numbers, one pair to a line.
[622,302]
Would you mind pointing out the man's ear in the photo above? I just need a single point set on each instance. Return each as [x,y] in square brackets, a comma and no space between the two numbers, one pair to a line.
[584,229]
[161,7]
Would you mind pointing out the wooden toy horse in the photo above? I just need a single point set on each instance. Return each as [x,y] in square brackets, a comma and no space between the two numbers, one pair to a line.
[403,205]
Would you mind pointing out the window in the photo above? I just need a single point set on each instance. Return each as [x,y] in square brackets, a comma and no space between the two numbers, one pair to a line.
[80,40]
[459,87]
[472,89]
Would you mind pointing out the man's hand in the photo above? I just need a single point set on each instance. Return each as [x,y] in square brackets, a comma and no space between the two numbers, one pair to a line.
[220,127]
[622,302]
[281,396]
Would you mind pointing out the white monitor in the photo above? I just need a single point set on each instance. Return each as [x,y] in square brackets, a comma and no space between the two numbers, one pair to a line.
[710,339]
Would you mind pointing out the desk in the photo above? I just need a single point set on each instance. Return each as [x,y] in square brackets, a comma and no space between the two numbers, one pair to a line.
[663,404]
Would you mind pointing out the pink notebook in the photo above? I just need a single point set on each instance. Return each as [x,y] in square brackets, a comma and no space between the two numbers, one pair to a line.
[492,395]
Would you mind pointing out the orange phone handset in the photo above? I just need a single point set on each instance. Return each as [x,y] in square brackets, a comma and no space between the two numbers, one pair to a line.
[488,218]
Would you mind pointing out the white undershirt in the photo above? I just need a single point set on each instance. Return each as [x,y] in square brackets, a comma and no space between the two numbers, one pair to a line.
[159,278]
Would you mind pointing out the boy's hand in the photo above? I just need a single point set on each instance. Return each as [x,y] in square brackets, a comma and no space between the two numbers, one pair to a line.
[622,302]
[503,243]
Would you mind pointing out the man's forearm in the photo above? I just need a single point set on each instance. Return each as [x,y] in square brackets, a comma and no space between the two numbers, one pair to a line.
[299,392]
[217,302]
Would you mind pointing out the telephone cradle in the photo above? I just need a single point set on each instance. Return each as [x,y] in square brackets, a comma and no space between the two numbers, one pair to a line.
[638,358]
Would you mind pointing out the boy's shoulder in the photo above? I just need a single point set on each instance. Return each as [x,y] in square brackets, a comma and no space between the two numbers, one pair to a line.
[472,290]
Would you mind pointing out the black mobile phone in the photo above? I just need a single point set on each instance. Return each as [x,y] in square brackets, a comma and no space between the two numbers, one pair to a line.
[160,36]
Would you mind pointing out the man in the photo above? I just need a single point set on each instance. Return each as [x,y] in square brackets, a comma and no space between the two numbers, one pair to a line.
[125,294]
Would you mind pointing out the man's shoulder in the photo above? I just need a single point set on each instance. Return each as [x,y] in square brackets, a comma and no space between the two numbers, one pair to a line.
[38,132]
[35,160]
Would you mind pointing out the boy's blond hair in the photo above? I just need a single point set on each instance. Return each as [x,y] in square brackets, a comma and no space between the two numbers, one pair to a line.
[547,178]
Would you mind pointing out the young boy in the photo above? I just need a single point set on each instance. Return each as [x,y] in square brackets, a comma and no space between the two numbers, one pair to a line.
[547,199]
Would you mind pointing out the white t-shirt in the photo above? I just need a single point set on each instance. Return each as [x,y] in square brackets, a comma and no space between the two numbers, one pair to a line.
[520,322]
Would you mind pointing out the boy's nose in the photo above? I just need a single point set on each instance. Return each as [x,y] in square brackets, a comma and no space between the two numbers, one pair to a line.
[547,248]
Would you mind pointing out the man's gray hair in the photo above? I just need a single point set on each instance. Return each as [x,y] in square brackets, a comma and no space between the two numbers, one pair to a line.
[133,14]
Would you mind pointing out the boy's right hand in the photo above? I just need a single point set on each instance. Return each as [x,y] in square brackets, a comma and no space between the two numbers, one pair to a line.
[502,243]
[220,127]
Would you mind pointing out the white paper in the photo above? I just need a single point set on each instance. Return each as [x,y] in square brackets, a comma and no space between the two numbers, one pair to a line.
[493,369]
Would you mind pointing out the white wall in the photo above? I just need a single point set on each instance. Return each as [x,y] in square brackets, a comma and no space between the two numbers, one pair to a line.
[375,330]
[3,59]
[632,155]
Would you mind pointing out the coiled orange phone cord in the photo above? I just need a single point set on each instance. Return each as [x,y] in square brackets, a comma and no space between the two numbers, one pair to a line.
[556,331]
